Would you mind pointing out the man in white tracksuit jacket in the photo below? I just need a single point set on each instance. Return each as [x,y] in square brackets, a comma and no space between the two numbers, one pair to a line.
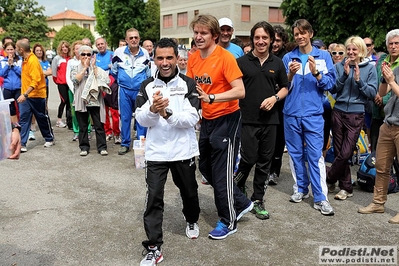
[167,104]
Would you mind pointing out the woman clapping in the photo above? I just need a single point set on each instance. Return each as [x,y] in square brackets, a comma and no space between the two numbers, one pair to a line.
[356,83]
[89,82]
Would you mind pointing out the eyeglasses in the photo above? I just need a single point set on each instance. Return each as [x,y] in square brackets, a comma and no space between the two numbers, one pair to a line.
[337,53]
[85,54]
[133,37]
[369,44]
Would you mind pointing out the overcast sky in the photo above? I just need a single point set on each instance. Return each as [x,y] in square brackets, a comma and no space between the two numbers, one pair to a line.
[54,7]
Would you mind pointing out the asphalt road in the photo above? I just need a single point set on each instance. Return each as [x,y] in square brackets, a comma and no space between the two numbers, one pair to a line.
[57,208]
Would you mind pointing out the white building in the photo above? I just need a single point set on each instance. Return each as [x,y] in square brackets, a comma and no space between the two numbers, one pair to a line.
[176,15]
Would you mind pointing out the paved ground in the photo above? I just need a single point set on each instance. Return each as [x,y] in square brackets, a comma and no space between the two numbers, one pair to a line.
[57,208]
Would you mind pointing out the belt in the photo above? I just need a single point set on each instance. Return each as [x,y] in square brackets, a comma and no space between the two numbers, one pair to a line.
[390,124]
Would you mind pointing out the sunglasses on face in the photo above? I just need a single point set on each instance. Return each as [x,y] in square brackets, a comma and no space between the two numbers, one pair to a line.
[85,54]
[337,53]
[369,44]
[133,37]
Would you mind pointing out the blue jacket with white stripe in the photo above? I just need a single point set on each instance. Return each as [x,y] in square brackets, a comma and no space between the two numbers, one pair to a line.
[130,70]
[305,97]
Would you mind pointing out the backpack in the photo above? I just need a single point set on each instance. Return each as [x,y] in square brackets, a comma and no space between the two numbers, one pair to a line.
[367,173]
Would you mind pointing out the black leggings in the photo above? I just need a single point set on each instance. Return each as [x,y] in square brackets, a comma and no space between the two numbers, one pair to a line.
[63,91]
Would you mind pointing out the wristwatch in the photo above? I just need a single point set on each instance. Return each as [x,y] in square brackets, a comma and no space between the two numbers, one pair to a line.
[211,98]
[277,98]
[16,125]
[169,113]
[316,74]
[25,95]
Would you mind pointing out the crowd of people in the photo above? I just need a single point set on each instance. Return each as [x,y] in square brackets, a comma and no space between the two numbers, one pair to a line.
[252,101]
[282,92]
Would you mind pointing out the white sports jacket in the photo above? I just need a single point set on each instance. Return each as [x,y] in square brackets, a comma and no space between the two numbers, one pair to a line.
[171,139]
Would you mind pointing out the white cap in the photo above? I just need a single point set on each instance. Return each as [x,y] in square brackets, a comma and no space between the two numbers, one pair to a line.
[225,22]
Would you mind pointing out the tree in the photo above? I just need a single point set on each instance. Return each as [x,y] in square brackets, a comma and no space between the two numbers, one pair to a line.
[23,18]
[335,21]
[72,33]
[151,21]
[101,19]
[115,17]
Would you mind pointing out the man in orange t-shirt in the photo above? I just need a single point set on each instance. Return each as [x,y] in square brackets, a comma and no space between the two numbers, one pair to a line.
[33,97]
[219,85]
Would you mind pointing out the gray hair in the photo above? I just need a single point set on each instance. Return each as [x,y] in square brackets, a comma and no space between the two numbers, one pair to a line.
[86,40]
[85,48]
[391,34]
[183,53]
[101,38]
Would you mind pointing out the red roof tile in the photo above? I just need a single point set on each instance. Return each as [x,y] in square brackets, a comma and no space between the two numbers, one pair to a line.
[70,14]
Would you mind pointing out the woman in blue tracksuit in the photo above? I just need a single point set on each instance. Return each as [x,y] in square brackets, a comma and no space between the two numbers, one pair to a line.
[310,73]
[10,70]
[356,84]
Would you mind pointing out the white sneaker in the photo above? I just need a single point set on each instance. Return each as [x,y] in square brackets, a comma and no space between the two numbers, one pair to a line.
[324,207]
[118,139]
[48,144]
[298,197]
[108,137]
[24,149]
[31,135]
[104,153]
[342,195]
[83,153]
[153,257]
[60,124]
[192,230]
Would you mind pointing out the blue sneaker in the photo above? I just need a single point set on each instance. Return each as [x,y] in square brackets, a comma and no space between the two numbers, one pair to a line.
[221,231]
[245,211]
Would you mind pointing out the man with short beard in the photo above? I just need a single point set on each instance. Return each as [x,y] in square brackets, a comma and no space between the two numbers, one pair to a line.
[168,103]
